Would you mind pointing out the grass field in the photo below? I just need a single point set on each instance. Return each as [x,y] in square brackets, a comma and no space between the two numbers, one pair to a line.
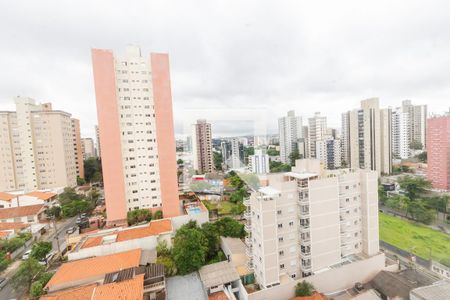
[417,238]
[224,207]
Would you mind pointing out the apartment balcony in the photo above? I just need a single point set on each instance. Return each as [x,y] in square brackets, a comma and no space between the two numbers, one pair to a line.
[306,268]
[248,241]
[154,286]
[249,252]
[304,228]
[247,215]
[303,200]
[303,214]
[305,241]
[248,227]
[247,202]
[250,264]
[305,255]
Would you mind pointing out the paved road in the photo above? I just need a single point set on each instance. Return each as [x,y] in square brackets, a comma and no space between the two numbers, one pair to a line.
[7,292]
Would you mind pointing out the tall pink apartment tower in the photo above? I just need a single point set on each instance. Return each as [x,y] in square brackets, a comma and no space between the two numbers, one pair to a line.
[134,109]
[438,151]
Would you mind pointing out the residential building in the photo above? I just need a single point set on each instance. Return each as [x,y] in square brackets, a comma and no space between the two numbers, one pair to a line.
[328,151]
[97,141]
[317,130]
[33,198]
[401,133]
[77,147]
[436,291]
[37,147]
[417,115]
[24,214]
[237,154]
[290,130]
[303,222]
[259,162]
[345,138]
[362,142]
[88,148]
[202,147]
[386,140]
[220,277]
[438,151]
[134,108]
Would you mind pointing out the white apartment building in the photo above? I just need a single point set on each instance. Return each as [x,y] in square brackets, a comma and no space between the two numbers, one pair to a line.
[418,121]
[328,151]
[290,130]
[303,222]
[401,133]
[97,141]
[88,148]
[237,154]
[36,147]
[317,130]
[363,143]
[259,162]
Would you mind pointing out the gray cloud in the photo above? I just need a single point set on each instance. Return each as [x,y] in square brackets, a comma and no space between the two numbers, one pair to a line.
[280,55]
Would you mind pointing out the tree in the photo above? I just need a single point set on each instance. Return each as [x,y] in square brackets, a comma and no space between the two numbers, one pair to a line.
[238,195]
[420,213]
[382,195]
[40,250]
[76,207]
[218,160]
[189,250]
[415,145]
[303,289]
[210,232]
[68,195]
[92,170]
[80,181]
[230,227]
[422,157]
[276,166]
[180,161]
[139,215]
[399,202]
[273,152]
[294,156]
[414,186]
[27,272]
[54,211]
[37,290]
[157,215]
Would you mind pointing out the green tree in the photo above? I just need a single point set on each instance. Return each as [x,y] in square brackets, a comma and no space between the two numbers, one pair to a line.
[168,263]
[230,227]
[180,161]
[40,250]
[92,170]
[158,215]
[273,152]
[68,195]
[238,209]
[218,160]
[54,211]
[276,167]
[3,261]
[238,195]
[189,250]
[415,145]
[420,213]
[28,271]
[303,289]
[76,207]
[139,215]
[210,232]
[414,186]
[399,202]
[382,195]
[80,181]
[37,290]
[294,156]
[422,157]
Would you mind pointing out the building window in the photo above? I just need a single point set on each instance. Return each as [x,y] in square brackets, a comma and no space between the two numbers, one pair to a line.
[291,223]
[279,212]
[281,252]
[282,266]
[280,239]
[280,225]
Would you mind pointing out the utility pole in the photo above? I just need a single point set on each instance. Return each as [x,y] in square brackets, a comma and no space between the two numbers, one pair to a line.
[56,233]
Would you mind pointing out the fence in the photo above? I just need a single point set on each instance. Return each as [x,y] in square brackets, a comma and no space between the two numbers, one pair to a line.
[419,260]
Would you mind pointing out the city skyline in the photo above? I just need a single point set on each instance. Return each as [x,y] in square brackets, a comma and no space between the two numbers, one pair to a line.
[364,63]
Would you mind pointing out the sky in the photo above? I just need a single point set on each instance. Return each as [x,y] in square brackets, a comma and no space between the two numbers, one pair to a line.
[227,57]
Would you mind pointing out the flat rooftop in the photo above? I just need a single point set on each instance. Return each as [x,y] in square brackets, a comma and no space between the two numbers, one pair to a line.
[301,175]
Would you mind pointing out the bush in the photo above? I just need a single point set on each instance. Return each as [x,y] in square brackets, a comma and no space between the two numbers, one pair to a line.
[40,250]
[139,215]
[3,261]
[37,289]
[304,289]
[158,215]
[230,227]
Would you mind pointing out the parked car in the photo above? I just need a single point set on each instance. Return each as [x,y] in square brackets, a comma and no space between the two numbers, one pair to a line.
[47,258]
[83,215]
[71,230]
[3,282]
[26,255]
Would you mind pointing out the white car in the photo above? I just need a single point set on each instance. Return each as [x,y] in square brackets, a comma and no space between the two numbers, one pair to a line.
[26,255]
[47,258]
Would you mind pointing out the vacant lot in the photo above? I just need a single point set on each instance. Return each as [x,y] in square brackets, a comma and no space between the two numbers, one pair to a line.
[414,237]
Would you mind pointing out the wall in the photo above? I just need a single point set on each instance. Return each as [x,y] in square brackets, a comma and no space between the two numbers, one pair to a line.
[200,218]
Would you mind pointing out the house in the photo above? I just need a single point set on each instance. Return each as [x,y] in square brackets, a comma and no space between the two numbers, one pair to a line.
[92,270]
[5,199]
[219,277]
[23,214]
[119,239]
[9,230]
[439,290]
[9,200]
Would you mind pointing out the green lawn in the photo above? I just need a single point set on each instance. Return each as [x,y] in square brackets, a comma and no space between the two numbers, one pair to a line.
[417,238]
[224,207]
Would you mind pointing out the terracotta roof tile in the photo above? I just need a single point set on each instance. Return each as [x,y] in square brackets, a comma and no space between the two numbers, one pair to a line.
[78,293]
[154,228]
[314,296]
[42,195]
[6,196]
[132,289]
[22,211]
[13,225]
[96,266]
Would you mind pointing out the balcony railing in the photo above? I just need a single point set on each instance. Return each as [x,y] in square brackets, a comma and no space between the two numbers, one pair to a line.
[247,202]
[154,286]
[305,255]
[247,215]
[248,227]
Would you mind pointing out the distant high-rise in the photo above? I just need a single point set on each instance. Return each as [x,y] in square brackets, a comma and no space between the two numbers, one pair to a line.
[134,107]
[237,154]
[259,162]
[38,150]
[317,131]
[401,133]
[438,151]
[328,151]
[290,131]
[87,146]
[202,147]
[97,141]
[361,138]
[417,115]
[78,148]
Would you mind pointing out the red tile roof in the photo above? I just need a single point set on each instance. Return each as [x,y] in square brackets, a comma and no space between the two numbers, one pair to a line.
[218,296]
[42,195]
[13,225]
[314,296]
[6,196]
[154,228]
[78,293]
[95,266]
[22,211]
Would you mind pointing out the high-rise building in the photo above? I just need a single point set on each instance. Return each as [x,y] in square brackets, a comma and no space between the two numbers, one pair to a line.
[438,151]
[88,148]
[78,148]
[401,133]
[290,130]
[386,140]
[417,115]
[202,147]
[237,154]
[362,142]
[345,138]
[310,219]
[134,108]
[97,141]
[317,131]
[37,147]
[259,162]
[328,151]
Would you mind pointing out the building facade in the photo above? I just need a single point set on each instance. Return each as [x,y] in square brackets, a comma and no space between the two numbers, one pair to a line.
[290,130]
[305,221]
[328,151]
[37,147]
[88,148]
[78,148]
[401,133]
[259,162]
[417,115]
[202,147]
[317,131]
[97,141]
[134,108]
[438,151]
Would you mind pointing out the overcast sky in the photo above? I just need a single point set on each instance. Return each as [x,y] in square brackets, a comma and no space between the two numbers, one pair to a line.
[271,56]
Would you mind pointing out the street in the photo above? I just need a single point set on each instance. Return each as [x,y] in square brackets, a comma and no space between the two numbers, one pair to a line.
[7,292]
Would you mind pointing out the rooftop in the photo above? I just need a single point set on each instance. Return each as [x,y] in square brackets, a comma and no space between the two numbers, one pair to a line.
[218,296]
[124,234]
[437,291]
[6,196]
[13,225]
[268,190]
[22,211]
[185,287]
[95,266]
[42,195]
[314,296]
[217,274]
[301,175]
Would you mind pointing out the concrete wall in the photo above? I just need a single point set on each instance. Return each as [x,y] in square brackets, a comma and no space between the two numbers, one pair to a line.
[200,218]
